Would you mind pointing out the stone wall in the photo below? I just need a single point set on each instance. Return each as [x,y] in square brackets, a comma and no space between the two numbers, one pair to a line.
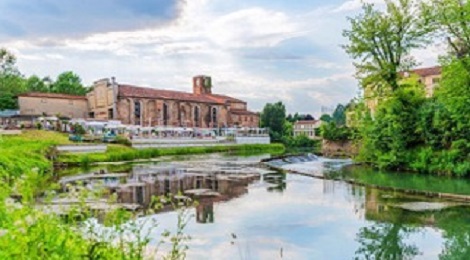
[339,148]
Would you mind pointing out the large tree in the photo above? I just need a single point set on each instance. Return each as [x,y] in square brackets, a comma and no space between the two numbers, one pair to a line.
[274,117]
[11,81]
[381,41]
[69,83]
[451,20]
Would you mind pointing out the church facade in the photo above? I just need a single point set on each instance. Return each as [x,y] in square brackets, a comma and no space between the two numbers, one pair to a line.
[143,106]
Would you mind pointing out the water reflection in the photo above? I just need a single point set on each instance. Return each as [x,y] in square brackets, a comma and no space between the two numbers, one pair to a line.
[206,182]
[308,218]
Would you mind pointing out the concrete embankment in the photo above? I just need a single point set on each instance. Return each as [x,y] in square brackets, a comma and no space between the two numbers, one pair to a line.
[284,163]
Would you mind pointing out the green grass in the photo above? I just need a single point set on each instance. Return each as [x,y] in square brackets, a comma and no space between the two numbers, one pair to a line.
[23,153]
[118,153]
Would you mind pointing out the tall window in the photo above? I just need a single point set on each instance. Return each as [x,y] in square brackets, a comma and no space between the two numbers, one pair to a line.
[196,116]
[165,114]
[137,112]
[214,117]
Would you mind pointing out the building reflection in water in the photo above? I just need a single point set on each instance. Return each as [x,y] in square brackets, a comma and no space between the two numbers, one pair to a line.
[206,186]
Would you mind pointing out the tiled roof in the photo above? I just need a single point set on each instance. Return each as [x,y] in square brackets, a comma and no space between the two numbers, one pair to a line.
[230,99]
[424,72]
[52,95]
[306,122]
[242,112]
[142,92]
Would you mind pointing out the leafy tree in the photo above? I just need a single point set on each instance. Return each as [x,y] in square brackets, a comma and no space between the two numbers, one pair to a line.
[11,81]
[274,117]
[326,118]
[69,83]
[309,117]
[339,115]
[382,41]
[7,101]
[451,20]
[289,118]
[36,84]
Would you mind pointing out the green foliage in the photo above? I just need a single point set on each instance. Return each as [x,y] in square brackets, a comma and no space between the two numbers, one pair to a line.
[13,83]
[78,129]
[331,131]
[339,115]
[326,118]
[69,83]
[382,40]
[274,117]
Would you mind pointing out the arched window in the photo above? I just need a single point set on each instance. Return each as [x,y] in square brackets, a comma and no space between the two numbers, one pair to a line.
[196,116]
[214,116]
[137,112]
[166,115]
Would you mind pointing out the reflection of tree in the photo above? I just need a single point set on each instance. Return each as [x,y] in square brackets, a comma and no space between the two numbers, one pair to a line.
[385,241]
[456,226]
[278,181]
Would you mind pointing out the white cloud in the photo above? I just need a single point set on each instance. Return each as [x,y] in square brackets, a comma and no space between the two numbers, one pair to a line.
[353,5]
[204,41]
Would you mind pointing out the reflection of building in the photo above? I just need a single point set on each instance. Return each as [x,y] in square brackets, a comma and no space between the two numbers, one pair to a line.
[144,184]
[429,77]
[307,128]
[149,106]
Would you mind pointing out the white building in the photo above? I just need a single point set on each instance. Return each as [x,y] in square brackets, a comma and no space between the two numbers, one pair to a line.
[307,128]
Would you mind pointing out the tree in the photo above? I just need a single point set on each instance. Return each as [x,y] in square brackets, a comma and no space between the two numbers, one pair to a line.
[11,81]
[326,118]
[451,20]
[339,115]
[274,117]
[382,41]
[69,83]
[35,84]
[309,117]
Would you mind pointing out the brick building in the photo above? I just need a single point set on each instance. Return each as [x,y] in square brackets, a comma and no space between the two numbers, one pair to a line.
[51,104]
[151,107]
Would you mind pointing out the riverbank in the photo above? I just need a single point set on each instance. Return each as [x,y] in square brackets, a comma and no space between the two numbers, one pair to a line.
[118,153]
[32,149]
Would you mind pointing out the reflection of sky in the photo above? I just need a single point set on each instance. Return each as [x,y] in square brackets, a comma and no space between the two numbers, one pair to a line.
[307,220]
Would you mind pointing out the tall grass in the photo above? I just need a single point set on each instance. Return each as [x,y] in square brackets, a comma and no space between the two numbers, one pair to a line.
[22,153]
[29,232]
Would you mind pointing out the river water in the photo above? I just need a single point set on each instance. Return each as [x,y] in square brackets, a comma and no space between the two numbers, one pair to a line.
[273,215]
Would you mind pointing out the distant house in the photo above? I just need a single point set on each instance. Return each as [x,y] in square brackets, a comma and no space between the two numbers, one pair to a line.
[307,128]
[52,104]
[429,77]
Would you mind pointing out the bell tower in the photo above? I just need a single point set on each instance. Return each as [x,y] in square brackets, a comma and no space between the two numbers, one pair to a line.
[202,85]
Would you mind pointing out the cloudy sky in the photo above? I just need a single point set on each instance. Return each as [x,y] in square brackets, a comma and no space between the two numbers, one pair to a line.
[257,50]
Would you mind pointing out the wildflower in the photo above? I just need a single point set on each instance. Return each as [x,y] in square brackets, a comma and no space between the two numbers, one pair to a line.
[3,232]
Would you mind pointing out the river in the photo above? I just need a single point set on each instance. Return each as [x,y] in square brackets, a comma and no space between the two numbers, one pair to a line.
[272,215]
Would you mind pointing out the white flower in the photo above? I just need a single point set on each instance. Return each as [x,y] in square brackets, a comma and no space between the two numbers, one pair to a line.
[3,232]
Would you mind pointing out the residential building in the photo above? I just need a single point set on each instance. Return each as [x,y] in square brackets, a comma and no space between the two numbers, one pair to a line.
[307,128]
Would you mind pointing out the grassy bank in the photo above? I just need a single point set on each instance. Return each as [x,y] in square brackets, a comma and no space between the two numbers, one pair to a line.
[22,153]
[117,153]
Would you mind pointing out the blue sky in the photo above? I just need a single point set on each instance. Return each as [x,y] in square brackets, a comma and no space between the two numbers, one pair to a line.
[258,50]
